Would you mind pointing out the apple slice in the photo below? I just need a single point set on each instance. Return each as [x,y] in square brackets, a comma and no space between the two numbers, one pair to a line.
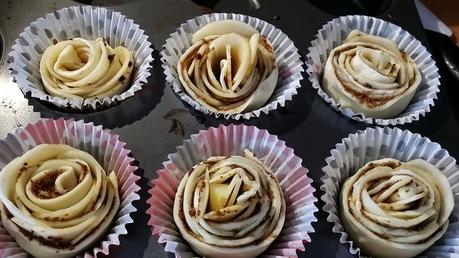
[227,213]
[224,27]
[217,196]
[224,195]
[235,192]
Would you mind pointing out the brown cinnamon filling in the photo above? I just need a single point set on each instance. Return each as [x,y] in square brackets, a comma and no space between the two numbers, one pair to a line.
[45,187]
[391,164]
[364,97]
[54,242]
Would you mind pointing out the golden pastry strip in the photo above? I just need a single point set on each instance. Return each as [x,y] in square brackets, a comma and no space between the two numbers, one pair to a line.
[80,68]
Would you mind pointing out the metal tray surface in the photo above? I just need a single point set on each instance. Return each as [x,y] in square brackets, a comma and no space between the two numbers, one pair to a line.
[307,123]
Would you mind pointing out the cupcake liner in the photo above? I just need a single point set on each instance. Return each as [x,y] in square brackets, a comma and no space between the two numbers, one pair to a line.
[335,32]
[232,140]
[102,145]
[377,143]
[78,21]
[287,58]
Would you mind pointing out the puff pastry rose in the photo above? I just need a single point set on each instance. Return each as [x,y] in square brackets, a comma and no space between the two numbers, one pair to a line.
[230,68]
[56,200]
[371,75]
[229,207]
[396,209]
[80,68]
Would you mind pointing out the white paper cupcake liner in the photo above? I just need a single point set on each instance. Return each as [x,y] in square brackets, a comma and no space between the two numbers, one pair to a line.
[102,145]
[78,21]
[377,143]
[232,140]
[287,58]
[335,32]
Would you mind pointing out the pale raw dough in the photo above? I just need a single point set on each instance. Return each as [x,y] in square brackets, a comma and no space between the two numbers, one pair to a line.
[230,68]
[59,193]
[238,230]
[394,209]
[370,75]
[80,68]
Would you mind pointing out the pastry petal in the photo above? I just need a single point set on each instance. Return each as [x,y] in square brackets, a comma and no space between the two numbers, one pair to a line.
[371,75]
[256,217]
[80,68]
[229,69]
[57,200]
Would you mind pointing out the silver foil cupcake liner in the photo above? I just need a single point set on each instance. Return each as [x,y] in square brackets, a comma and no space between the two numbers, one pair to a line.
[378,143]
[287,58]
[335,32]
[103,145]
[78,21]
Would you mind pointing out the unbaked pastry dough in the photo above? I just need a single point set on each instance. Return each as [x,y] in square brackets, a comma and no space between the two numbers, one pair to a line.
[396,209]
[56,200]
[371,75]
[229,207]
[230,68]
[80,68]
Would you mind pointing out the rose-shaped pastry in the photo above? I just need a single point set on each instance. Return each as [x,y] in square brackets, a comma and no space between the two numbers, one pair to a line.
[57,200]
[230,68]
[80,68]
[370,75]
[229,207]
[395,209]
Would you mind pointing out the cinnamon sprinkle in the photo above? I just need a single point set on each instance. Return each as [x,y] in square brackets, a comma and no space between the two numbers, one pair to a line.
[45,187]
[54,242]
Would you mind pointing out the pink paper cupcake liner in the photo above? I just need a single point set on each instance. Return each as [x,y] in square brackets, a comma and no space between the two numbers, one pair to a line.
[102,145]
[232,140]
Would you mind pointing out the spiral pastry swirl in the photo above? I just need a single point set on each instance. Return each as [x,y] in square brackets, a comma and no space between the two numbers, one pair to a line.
[371,75]
[396,209]
[229,206]
[80,68]
[230,68]
[57,200]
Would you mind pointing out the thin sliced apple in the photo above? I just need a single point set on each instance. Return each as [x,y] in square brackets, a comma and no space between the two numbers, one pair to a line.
[218,179]
[204,196]
[263,92]
[227,213]
[241,53]
[235,191]
[215,172]
[231,187]
[223,27]
[217,196]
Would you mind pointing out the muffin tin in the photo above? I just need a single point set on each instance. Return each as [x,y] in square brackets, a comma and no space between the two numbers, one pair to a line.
[2,48]
[154,121]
